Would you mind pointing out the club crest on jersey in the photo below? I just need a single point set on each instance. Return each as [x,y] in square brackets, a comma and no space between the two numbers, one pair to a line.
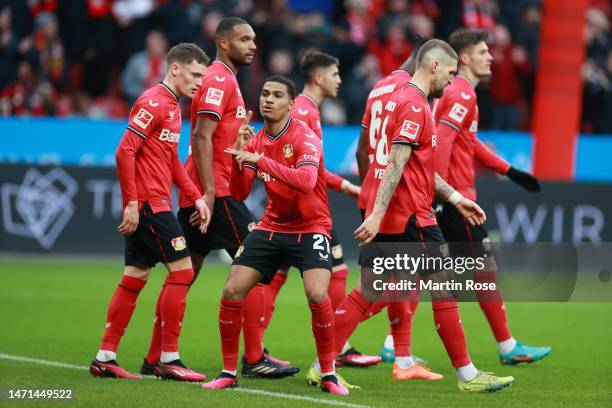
[143,118]
[410,129]
[458,112]
[287,151]
[214,96]
[179,243]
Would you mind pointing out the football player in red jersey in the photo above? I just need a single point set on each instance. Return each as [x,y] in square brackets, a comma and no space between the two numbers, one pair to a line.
[456,115]
[405,183]
[217,113]
[295,227]
[148,165]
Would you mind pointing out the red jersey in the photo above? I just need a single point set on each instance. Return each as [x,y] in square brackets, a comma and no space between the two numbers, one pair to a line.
[218,98]
[147,156]
[456,116]
[409,121]
[378,97]
[306,109]
[291,207]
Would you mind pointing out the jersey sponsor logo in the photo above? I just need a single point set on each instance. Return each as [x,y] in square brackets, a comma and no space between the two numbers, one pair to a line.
[153,104]
[303,111]
[143,118]
[409,129]
[214,96]
[474,126]
[241,112]
[415,109]
[312,147]
[310,157]
[381,91]
[390,106]
[287,151]
[167,136]
[179,243]
[458,112]
[465,96]
[219,79]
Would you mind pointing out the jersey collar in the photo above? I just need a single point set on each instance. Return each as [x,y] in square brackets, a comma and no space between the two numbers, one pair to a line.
[282,132]
[466,79]
[226,66]
[169,90]
[420,90]
[311,99]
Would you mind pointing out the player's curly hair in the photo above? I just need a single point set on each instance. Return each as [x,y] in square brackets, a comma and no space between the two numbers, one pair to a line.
[186,53]
[285,81]
[462,40]
[313,60]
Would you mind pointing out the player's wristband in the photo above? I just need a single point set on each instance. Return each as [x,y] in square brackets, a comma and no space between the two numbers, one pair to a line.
[455,197]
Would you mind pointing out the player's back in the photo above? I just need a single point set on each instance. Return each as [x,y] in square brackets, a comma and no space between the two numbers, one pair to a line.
[156,118]
[219,98]
[290,210]
[409,122]
[372,120]
[458,109]
[306,110]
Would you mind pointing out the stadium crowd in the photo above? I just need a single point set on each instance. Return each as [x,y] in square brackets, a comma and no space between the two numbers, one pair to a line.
[92,58]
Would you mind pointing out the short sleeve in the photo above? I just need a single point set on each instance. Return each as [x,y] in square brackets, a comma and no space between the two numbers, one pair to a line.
[214,95]
[144,116]
[409,123]
[308,150]
[457,110]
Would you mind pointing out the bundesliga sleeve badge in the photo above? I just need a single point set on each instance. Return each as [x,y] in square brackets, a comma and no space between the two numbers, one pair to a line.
[458,112]
[409,129]
[214,96]
[143,118]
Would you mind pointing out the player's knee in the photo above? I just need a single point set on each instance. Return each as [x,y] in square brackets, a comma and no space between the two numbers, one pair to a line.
[316,295]
[137,272]
[233,292]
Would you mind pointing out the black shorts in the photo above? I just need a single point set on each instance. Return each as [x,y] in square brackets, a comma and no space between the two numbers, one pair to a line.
[457,230]
[229,227]
[267,251]
[158,238]
[336,249]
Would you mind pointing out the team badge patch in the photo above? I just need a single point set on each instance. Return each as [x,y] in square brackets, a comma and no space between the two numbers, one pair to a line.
[410,129]
[458,112]
[179,243]
[287,151]
[239,251]
[337,252]
[143,118]
[214,96]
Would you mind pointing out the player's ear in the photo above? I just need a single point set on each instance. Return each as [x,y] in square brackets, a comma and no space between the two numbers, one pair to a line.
[291,103]
[464,58]
[175,68]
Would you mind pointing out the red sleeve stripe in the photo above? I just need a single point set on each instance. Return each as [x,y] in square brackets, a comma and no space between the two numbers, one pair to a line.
[209,113]
[137,132]
[305,163]
[451,124]
[414,145]
[250,166]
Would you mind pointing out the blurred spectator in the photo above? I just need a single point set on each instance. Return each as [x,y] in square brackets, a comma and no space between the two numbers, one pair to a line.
[206,36]
[8,47]
[144,69]
[355,89]
[282,62]
[510,65]
[393,50]
[28,95]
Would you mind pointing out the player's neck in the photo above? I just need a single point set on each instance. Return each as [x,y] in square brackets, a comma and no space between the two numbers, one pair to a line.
[224,59]
[421,81]
[274,128]
[313,92]
[170,85]
[469,75]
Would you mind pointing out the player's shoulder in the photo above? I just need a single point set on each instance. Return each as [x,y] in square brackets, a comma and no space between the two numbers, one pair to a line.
[300,130]
[152,99]
[219,76]
[460,90]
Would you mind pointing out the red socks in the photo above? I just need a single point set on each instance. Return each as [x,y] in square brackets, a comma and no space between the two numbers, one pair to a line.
[253,312]
[337,286]
[400,321]
[230,322]
[492,304]
[120,310]
[172,308]
[373,310]
[348,315]
[450,330]
[271,292]
[155,347]
[323,330]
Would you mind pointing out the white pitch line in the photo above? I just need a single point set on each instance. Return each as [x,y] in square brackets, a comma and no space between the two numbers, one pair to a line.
[256,391]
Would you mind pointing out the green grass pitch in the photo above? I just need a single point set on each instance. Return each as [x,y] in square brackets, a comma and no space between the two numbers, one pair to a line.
[55,310]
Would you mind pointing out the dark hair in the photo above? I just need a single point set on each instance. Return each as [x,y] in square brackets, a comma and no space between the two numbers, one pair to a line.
[285,81]
[227,24]
[313,60]
[462,39]
[432,45]
[186,53]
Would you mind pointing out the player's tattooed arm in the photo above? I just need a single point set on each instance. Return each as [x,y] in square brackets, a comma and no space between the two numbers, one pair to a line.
[398,157]
[443,189]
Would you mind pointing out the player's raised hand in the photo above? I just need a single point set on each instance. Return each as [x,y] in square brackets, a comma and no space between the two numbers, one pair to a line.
[245,132]
[524,179]
[471,211]
[368,229]
[204,214]
[243,156]
[350,189]
[130,219]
